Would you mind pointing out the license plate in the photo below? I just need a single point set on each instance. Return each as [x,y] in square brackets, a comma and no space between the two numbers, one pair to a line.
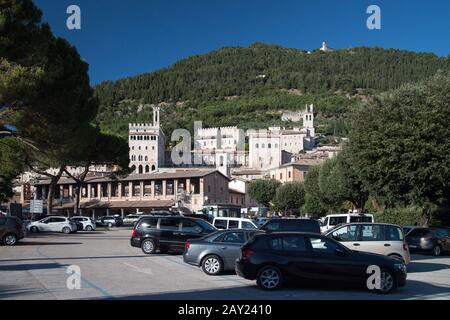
[412,246]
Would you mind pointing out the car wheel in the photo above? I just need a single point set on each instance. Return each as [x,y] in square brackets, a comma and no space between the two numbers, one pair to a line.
[89,228]
[10,239]
[212,265]
[34,229]
[269,278]
[387,282]
[437,251]
[148,246]
[66,230]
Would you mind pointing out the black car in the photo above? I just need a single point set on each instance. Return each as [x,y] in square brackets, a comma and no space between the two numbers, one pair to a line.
[109,221]
[435,240]
[11,230]
[270,259]
[167,233]
[291,225]
[80,226]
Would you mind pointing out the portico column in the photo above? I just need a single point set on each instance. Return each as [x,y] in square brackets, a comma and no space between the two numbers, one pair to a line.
[89,191]
[141,190]
[188,186]
[153,189]
[109,190]
[130,190]
[119,185]
[99,190]
[164,186]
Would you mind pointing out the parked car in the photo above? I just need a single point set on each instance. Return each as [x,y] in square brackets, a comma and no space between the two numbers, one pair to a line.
[297,225]
[11,230]
[380,238]
[432,240]
[234,223]
[272,259]
[333,220]
[86,223]
[218,251]
[131,219]
[109,221]
[53,224]
[408,229]
[260,221]
[165,233]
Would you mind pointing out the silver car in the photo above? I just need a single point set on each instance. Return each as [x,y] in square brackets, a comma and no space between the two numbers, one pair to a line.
[218,251]
[131,219]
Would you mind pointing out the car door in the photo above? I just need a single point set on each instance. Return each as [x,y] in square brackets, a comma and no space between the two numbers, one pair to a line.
[170,233]
[44,224]
[2,227]
[346,235]
[189,230]
[229,246]
[332,262]
[371,238]
[56,224]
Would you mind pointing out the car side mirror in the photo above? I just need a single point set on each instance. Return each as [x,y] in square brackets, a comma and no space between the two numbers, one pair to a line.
[340,252]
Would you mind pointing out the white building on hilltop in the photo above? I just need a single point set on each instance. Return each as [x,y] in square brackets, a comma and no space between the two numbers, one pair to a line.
[325,47]
[147,145]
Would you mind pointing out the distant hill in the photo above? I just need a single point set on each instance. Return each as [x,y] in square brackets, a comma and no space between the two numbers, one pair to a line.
[250,86]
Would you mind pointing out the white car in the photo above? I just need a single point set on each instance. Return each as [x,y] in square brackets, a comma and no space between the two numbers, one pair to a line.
[333,220]
[88,224]
[234,223]
[380,238]
[53,224]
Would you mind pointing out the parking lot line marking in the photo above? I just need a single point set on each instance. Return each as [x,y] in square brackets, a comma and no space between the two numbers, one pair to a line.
[92,285]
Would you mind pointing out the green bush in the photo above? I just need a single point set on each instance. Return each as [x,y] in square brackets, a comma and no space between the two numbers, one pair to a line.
[408,216]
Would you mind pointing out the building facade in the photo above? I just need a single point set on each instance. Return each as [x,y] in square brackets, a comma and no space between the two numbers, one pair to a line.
[147,145]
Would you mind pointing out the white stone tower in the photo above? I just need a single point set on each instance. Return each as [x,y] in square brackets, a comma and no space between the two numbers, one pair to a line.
[147,145]
[308,120]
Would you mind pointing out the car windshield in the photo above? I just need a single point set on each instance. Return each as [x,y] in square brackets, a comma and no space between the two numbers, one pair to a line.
[206,226]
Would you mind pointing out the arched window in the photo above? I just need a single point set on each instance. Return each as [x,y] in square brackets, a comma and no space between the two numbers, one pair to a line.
[146,158]
[153,168]
[147,169]
[141,169]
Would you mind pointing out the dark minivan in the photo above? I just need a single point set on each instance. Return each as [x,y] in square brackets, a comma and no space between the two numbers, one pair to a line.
[291,225]
[166,233]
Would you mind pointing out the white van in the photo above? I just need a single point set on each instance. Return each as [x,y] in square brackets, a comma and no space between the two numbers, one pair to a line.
[333,220]
[234,223]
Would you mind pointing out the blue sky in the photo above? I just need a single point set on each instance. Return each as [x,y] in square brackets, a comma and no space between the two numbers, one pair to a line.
[125,38]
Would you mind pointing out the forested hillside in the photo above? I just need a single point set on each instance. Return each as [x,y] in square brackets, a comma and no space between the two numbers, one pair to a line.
[250,86]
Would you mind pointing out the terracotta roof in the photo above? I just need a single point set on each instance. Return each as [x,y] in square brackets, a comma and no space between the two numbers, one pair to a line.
[169,174]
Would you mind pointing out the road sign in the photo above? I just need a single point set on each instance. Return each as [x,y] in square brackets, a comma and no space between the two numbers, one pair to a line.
[37,206]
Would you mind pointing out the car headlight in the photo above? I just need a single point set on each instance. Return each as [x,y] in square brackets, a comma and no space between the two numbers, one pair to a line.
[401,267]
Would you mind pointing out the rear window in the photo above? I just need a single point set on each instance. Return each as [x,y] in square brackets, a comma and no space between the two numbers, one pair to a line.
[301,226]
[288,243]
[272,226]
[440,232]
[233,224]
[393,233]
[247,225]
[361,219]
[334,221]
[220,224]
[148,223]
[169,224]
[374,232]
[419,232]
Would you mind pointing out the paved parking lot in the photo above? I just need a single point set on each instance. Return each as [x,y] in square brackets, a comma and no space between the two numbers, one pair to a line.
[111,268]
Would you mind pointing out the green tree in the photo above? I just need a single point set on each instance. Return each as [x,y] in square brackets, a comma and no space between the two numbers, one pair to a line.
[12,165]
[313,195]
[263,191]
[399,145]
[290,197]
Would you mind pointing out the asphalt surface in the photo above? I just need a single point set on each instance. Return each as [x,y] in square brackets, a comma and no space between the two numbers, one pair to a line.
[112,269]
